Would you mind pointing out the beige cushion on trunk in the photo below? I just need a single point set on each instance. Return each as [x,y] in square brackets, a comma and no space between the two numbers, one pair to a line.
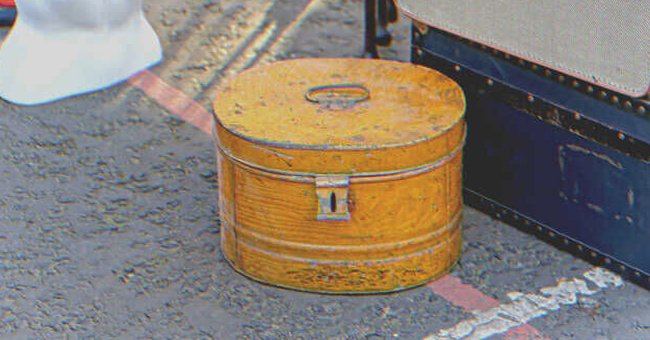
[604,42]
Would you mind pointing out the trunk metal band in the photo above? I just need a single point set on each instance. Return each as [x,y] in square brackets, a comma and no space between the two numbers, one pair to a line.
[304,177]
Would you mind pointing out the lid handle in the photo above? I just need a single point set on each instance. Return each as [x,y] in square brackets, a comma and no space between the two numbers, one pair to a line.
[338,96]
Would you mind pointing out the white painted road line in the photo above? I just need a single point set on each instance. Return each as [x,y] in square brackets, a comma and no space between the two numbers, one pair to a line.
[526,307]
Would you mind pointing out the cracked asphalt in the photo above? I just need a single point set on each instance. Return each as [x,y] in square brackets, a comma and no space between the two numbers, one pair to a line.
[109,226]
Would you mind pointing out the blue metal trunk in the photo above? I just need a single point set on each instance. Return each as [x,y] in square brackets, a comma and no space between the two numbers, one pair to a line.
[551,154]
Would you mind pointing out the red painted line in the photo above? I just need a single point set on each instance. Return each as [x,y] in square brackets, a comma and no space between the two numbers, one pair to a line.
[462,295]
[525,332]
[174,100]
[471,299]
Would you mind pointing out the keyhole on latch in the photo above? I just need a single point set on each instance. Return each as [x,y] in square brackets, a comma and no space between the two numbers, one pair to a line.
[333,202]
[332,194]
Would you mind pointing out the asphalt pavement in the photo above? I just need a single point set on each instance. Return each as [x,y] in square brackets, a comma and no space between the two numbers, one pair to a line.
[109,225]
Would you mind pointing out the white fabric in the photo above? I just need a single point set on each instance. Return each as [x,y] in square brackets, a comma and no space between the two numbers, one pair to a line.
[604,42]
[60,48]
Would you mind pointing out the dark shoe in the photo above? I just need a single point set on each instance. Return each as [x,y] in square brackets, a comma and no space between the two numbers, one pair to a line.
[392,14]
[7,16]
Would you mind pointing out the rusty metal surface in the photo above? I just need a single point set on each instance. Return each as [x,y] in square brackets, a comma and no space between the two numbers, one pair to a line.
[411,117]
[109,224]
[396,229]
[406,104]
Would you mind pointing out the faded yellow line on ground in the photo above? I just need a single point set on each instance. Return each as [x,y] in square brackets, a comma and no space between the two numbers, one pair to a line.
[263,47]
[280,44]
[253,45]
[215,43]
[251,52]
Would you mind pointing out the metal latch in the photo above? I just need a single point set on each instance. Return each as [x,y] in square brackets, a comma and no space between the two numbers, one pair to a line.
[333,192]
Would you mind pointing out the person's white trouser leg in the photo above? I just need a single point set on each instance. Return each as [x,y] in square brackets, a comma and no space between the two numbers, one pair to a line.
[60,48]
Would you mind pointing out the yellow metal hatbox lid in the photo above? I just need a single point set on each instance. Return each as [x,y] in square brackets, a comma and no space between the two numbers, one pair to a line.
[339,116]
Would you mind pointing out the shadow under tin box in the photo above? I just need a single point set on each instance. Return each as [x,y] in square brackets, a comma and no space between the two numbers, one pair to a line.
[340,175]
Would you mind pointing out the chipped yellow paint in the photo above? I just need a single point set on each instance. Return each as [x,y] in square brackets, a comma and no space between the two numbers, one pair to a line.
[396,155]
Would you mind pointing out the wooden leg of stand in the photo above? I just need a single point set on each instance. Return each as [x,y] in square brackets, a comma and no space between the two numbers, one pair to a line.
[370,46]
[383,36]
